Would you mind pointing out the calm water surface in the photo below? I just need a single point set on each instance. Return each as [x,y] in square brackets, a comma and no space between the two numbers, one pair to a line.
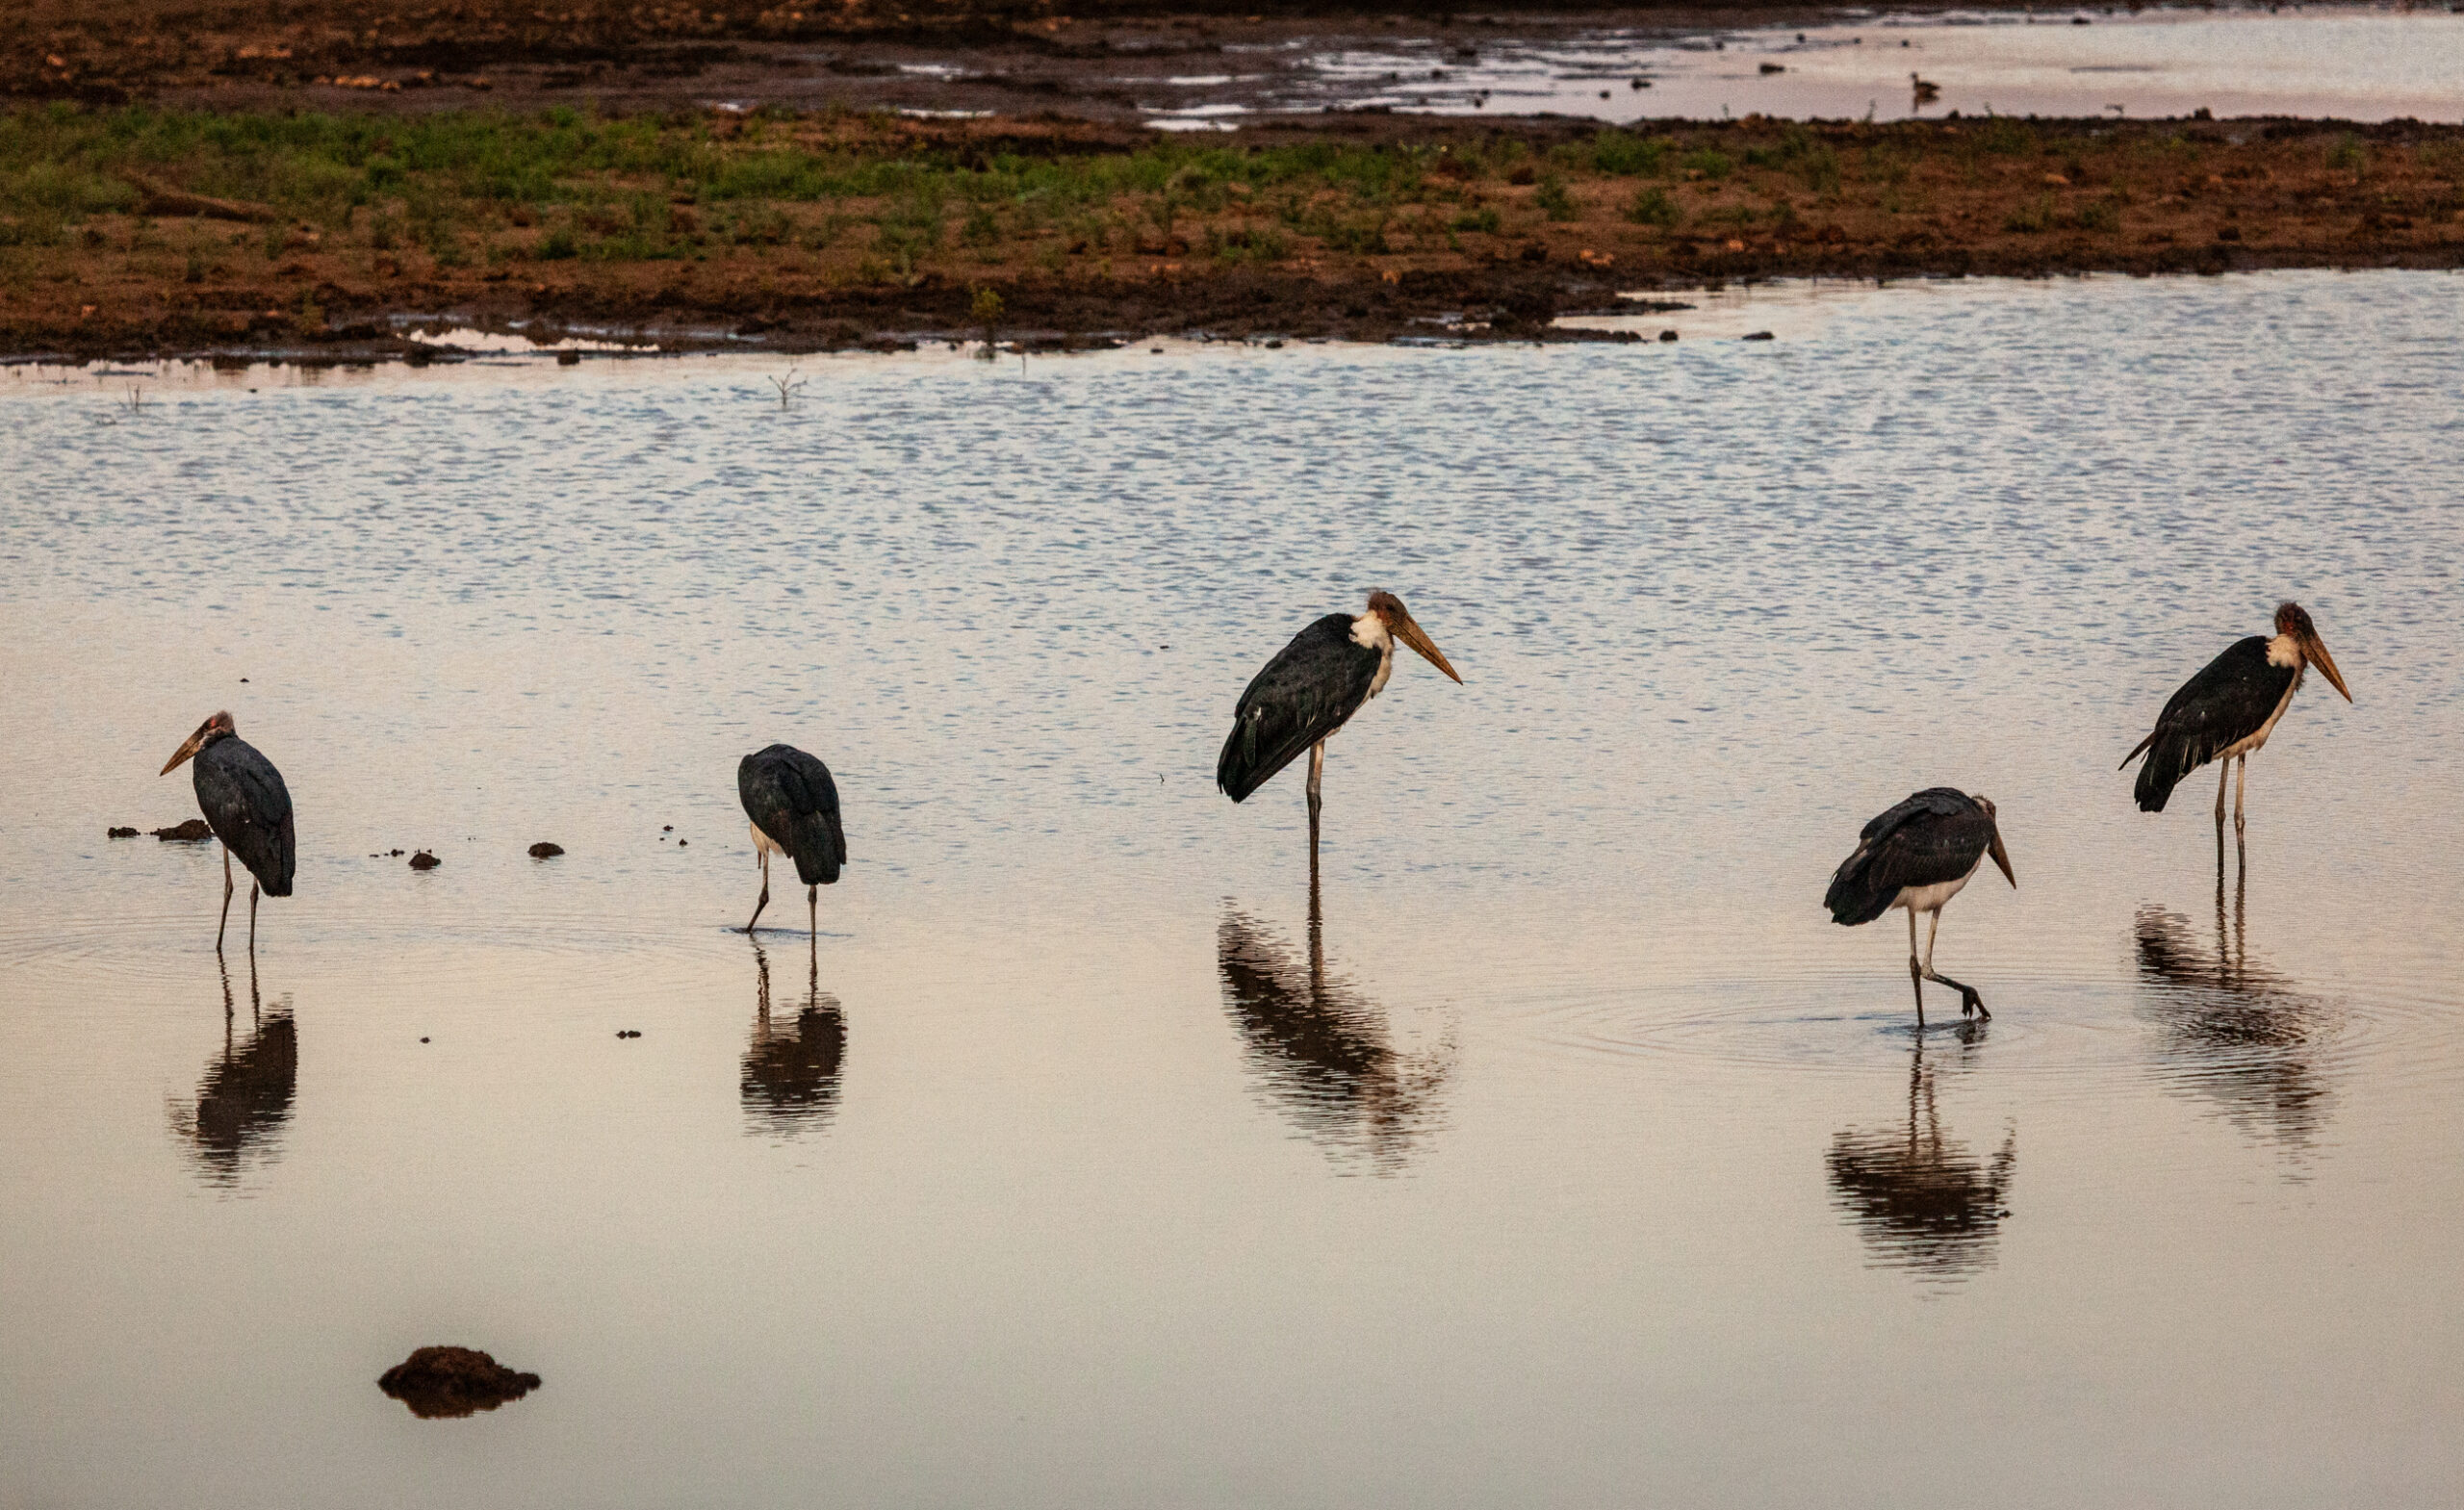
[1566,1154]
[2352,62]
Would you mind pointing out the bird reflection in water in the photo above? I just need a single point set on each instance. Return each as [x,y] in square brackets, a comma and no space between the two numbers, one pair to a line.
[1324,1054]
[1922,1201]
[2237,1033]
[791,1070]
[245,1098]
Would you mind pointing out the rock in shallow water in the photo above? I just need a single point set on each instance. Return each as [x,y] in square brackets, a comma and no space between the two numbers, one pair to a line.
[117,833]
[543,850]
[189,832]
[423,860]
[453,1381]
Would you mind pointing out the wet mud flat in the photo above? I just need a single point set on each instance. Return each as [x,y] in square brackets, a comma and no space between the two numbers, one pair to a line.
[1101,61]
[139,232]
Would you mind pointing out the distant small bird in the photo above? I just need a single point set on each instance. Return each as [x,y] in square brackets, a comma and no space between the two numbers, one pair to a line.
[1312,687]
[2228,711]
[794,808]
[248,808]
[1925,91]
[1918,856]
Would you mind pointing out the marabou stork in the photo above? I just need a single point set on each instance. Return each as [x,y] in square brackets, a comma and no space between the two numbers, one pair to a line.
[248,808]
[1917,856]
[2228,711]
[794,808]
[1309,690]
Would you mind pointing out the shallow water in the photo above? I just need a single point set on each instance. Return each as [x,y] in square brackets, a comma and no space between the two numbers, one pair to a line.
[1565,1154]
[2342,62]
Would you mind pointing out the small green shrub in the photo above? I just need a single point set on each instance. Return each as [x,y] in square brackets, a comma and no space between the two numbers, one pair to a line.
[1653,206]
[2006,136]
[1710,163]
[1628,155]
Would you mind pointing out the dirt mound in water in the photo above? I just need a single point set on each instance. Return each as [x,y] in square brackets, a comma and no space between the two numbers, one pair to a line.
[192,832]
[453,1381]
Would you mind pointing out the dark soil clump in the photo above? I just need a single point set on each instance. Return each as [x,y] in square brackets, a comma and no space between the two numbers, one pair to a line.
[117,833]
[423,860]
[192,832]
[437,1382]
[543,850]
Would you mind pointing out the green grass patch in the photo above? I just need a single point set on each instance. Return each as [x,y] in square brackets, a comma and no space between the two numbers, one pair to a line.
[1710,162]
[1653,206]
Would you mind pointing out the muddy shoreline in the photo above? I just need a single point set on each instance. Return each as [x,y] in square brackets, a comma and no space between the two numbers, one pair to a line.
[1051,233]
[1101,61]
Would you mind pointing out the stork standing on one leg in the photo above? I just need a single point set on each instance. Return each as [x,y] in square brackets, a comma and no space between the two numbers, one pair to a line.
[794,808]
[2228,711]
[1917,856]
[1309,690]
[248,808]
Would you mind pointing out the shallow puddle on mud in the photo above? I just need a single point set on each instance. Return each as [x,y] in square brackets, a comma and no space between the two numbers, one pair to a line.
[1564,1153]
[2339,63]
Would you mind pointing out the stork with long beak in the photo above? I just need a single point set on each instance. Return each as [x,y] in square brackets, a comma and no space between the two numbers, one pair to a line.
[248,808]
[1918,856]
[2228,711]
[1309,690]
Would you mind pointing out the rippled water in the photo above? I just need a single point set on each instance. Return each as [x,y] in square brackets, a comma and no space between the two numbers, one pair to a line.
[1562,1152]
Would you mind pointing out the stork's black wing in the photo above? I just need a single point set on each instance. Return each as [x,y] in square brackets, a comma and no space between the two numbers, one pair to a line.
[1936,835]
[249,809]
[2225,704]
[789,795]
[1303,695]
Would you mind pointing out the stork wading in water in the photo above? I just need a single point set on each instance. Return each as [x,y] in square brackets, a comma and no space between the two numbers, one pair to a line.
[2228,710]
[248,808]
[1918,856]
[1309,690]
[794,808]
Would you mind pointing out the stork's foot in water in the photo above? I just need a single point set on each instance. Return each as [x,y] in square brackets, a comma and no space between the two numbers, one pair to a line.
[1970,1003]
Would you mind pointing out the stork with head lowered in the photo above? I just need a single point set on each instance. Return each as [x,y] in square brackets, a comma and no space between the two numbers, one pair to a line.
[1918,856]
[794,808]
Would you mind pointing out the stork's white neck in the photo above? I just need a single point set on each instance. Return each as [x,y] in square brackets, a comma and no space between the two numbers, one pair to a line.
[2285,651]
[1369,631]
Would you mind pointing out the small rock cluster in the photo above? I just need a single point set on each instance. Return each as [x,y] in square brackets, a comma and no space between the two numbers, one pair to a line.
[453,1381]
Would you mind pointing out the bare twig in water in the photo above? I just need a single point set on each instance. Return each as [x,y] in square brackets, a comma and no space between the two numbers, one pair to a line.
[788,386]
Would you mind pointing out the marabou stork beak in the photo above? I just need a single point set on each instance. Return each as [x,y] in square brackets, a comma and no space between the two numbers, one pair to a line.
[2001,857]
[2314,650]
[195,743]
[1410,633]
